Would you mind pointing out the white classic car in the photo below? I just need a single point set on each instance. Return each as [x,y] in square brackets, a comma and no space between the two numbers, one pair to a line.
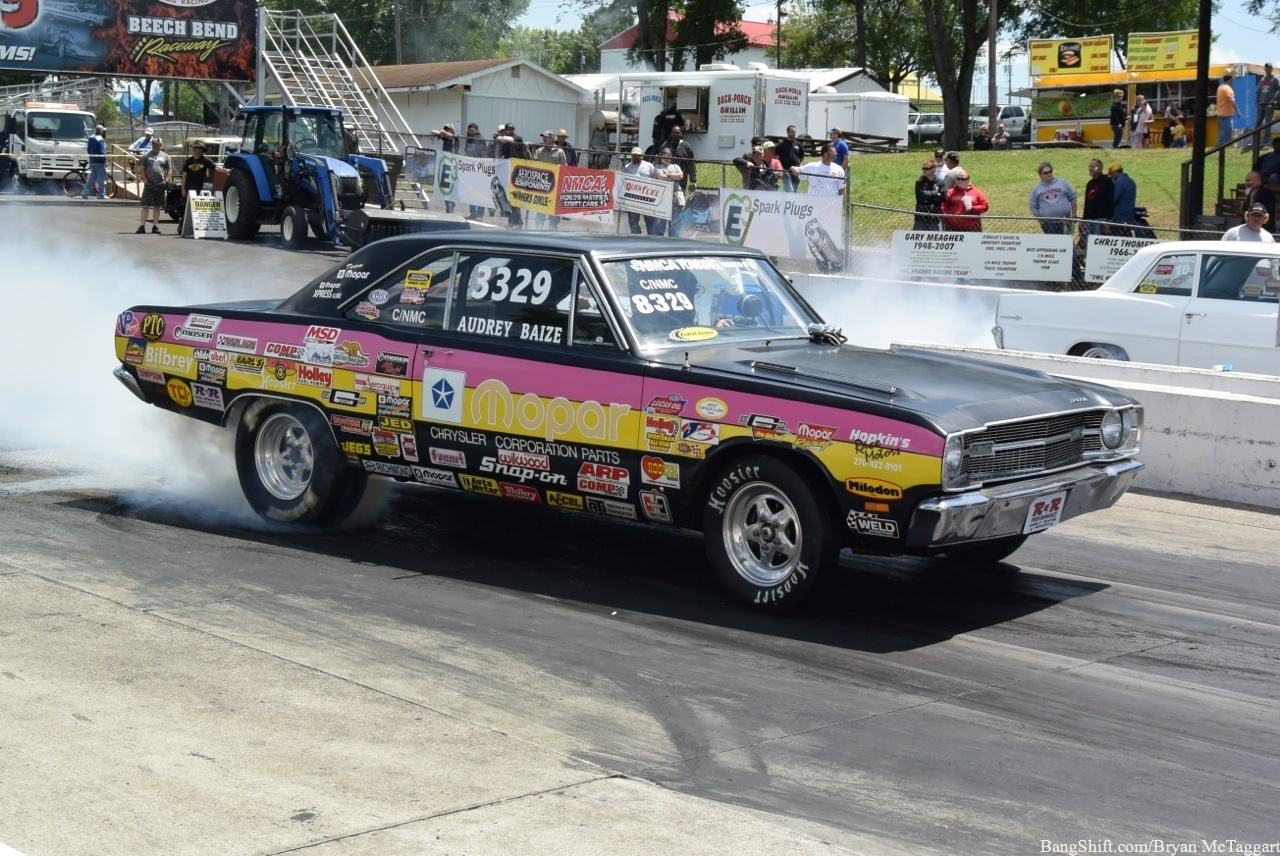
[1200,304]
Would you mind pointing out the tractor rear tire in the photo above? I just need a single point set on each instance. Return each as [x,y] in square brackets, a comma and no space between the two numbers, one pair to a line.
[242,205]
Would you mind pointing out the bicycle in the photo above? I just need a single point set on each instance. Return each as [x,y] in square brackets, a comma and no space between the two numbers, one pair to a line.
[74,181]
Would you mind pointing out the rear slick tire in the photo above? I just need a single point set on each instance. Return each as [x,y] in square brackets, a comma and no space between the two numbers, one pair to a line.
[767,536]
[290,468]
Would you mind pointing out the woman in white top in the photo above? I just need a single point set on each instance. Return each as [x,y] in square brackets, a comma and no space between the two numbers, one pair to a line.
[1141,122]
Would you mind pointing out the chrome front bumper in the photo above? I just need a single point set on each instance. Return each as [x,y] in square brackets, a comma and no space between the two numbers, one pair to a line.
[1001,511]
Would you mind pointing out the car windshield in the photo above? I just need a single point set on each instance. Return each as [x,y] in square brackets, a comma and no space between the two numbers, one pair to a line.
[318,134]
[676,301]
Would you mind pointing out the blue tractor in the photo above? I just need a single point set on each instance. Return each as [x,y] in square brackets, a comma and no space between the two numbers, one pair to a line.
[294,169]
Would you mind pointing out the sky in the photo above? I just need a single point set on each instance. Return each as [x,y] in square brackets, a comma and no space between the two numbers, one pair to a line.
[1240,37]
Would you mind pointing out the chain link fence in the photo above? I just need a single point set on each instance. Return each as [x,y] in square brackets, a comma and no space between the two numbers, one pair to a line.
[864,244]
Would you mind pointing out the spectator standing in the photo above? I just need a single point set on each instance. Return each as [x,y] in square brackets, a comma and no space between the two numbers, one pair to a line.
[929,195]
[1125,198]
[1051,200]
[97,164]
[156,170]
[1268,96]
[510,145]
[1099,199]
[550,153]
[1119,114]
[1141,122]
[664,124]
[842,148]
[570,153]
[666,170]
[475,147]
[1226,109]
[771,160]
[756,174]
[982,142]
[448,137]
[963,205]
[1256,193]
[789,153]
[682,156]
[1000,139]
[1177,133]
[826,178]
[940,158]
[952,161]
[1251,229]
[640,168]
[196,170]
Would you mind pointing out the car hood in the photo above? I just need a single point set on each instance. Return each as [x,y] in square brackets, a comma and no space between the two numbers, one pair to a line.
[955,393]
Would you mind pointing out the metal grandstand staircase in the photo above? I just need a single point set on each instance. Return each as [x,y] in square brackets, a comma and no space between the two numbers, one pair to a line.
[313,60]
[85,91]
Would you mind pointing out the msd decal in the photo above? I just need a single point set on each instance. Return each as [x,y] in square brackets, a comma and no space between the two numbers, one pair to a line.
[322,335]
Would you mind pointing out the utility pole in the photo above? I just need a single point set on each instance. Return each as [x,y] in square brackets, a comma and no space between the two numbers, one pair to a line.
[993,110]
[778,35]
[1195,193]
[396,8]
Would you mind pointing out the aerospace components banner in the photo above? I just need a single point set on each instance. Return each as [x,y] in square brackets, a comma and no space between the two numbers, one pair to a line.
[189,39]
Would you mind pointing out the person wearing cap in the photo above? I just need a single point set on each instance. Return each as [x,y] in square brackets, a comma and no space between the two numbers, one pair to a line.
[1125,195]
[756,174]
[682,156]
[771,159]
[1257,193]
[157,169]
[196,170]
[670,172]
[510,145]
[841,147]
[1268,93]
[476,146]
[640,168]
[1251,229]
[570,153]
[142,145]
[448,138]
[928,198]
[97,164]
[549,153]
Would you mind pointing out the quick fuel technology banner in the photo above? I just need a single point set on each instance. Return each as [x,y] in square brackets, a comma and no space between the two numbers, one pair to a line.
[794,225]
[191,39]
[643,195]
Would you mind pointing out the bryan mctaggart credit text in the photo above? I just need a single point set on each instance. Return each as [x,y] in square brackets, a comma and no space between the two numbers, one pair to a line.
[1158,845]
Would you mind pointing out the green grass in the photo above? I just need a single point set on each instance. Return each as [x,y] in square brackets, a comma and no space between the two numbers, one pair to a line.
[1007,177]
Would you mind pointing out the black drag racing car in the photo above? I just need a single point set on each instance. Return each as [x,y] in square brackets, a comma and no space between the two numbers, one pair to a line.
[656,380]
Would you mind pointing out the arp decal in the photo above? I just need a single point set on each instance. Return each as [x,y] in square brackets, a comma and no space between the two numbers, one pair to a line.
[604,479]
[873,488]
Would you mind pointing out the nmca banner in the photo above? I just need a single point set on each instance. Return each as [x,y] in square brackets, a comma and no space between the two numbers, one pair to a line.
[785,224]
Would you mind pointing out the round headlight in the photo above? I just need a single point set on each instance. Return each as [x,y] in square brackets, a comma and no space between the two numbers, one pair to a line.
[1112,430]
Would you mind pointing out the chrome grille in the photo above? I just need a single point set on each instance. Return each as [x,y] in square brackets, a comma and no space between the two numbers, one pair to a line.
[1032,446]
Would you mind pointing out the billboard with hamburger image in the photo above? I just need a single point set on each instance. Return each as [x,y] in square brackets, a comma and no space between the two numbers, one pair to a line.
[1070,56]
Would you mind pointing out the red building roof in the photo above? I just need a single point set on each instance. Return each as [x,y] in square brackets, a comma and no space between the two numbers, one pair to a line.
[760,34]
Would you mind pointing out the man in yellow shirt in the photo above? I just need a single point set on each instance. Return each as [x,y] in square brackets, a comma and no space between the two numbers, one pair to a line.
[1226,109]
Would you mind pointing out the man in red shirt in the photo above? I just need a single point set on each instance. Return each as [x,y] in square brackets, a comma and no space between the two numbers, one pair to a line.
[963,205]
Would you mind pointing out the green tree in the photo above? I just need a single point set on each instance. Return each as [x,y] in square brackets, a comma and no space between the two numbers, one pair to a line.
[707,31]
[817,36]
[1259,7]
[555,50]
[107,111]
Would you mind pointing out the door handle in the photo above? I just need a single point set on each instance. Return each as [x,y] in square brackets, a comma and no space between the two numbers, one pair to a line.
[1191,315]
